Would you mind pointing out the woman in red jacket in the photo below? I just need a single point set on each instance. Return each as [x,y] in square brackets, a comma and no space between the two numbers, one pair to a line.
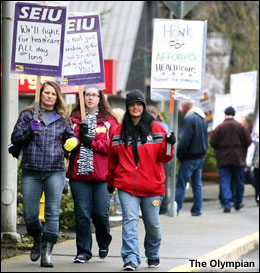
[87,173]
[135,167]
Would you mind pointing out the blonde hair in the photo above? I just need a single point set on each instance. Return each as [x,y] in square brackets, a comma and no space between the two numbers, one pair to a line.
[119,114]
[59,107]
[153,110]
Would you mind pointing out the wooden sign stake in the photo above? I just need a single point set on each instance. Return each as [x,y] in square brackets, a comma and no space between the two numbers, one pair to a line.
[82,103]
[37,97]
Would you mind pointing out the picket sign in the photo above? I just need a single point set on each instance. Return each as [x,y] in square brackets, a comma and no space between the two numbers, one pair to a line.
[38,38]
[83,58]
[178,62]
[171,111]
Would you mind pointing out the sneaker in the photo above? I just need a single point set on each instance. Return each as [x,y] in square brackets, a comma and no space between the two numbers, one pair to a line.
[153,263]
[103,253]
[239,207]
[227,209]
[80,259]
[129,266]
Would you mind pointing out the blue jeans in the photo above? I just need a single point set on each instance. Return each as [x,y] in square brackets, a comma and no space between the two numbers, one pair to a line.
[33,184]
[226,175]
[150,214]
[190,169]
[91,200]
[165,201]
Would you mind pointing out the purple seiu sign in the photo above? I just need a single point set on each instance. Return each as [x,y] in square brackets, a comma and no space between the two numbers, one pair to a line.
[38,39]
[83,59]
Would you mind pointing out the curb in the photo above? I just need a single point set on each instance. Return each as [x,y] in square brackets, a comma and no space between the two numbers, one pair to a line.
[232,251]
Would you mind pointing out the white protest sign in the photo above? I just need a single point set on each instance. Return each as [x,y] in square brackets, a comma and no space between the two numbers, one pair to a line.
[38,39]
[255,131]
[222,101]
[83,59]
[178,55]
[243,90]
[70,99]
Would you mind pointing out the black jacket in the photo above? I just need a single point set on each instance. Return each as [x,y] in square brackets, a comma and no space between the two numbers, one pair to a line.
[193,135]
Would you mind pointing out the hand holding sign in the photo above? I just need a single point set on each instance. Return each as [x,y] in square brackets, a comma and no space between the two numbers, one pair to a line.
[35,125]
[170,138]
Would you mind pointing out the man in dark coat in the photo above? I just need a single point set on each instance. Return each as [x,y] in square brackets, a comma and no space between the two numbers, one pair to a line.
[191,151]
[231,139]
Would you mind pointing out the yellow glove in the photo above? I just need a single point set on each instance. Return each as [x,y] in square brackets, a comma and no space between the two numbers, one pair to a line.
[71,143]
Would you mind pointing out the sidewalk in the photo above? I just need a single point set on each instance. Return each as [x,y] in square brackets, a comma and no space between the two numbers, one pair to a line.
[215,235]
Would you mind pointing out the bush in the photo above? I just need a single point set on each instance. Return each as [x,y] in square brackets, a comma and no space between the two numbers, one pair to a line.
[67,216]
[165,117]
[210,163]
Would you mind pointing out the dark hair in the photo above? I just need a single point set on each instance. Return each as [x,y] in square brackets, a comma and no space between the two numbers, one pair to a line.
[230,111]
[141,130]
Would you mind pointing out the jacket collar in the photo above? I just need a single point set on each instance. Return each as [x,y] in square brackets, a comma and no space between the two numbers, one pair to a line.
[53,118]
[198,111]
[100,118]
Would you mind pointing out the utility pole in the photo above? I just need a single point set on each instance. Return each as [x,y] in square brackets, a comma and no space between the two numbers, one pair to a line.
[180,9]
[9,111]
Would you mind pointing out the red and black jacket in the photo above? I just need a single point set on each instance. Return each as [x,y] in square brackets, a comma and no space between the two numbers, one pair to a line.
[100,145]
[147,178]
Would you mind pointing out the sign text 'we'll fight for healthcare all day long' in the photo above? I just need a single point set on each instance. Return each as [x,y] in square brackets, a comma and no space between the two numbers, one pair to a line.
[38,39]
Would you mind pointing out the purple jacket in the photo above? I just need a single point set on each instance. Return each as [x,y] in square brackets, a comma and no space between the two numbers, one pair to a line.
[230,139]
[42,151]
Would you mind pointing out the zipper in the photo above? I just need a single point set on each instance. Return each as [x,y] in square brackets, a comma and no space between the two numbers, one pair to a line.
[135,180]
[43,149]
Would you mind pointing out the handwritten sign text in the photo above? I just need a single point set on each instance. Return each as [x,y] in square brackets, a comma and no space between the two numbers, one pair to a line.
[178,54]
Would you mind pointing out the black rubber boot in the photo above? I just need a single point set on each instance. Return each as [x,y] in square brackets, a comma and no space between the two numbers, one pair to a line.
[36,249]
[46,249]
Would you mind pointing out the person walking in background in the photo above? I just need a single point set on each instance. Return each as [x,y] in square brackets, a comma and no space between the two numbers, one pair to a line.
[252,163]
[191,151]
[43,167]
[230,140]
[256,177]
[249,178]
[119,114]
[87,173]
[135,167]
[158,117]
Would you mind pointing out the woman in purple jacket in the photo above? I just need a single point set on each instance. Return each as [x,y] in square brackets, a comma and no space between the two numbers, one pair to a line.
[43,166]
